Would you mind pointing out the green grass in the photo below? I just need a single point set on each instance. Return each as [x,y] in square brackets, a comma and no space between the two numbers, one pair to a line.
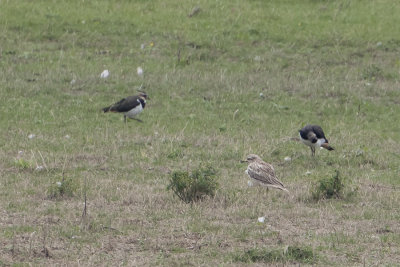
[296,254]
[334,63]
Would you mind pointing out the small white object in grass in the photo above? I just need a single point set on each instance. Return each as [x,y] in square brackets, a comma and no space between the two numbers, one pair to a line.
[261,219]
[288,158]
[67,137]
[379,44]
[257,58]
[250,183]
[142,46]
[234,113]
[31,136]
[39,168]
[308,172]
[73,81]
[20,152]
[261,95]
[83,21]
[139,71]
[285,250]
[359,152]
[58,184]
[368,84]
[104,74]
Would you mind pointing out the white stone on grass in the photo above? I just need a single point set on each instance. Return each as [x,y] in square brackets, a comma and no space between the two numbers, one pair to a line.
[139,71]
[104,74]
[39,168]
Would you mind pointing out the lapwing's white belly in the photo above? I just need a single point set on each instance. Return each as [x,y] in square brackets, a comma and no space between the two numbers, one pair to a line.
[316,144]
[134,112]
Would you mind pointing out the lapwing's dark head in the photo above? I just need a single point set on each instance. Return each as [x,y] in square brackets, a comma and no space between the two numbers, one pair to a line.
[251,158]
[312,137]
[143,95]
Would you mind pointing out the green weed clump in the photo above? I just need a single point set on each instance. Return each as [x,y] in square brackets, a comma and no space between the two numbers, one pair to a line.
[67,188]
[23,164]
[329,188]
[292,253]
[195,186]
[372,73]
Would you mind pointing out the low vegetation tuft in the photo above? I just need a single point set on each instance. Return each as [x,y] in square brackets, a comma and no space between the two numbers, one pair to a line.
[329,188]
[195,186]
[291,253]
[66,188]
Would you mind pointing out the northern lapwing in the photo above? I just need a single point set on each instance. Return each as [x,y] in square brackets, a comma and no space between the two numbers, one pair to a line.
[262,173]
[130,106]
[313,136]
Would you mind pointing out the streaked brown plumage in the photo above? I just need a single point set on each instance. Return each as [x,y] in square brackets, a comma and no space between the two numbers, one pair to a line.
[262,173]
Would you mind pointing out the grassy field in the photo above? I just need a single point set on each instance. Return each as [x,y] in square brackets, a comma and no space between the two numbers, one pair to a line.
[235,78]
